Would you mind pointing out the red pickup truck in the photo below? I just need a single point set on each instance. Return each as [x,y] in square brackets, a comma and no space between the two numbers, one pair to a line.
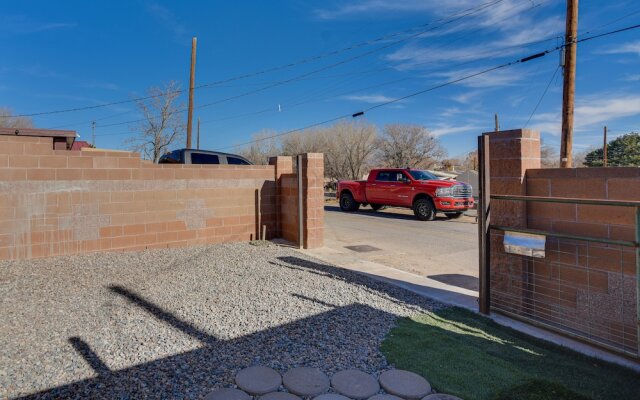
[403,187]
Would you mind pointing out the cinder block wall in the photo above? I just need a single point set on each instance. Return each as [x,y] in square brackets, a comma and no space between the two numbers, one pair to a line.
[58,202]
[587,288]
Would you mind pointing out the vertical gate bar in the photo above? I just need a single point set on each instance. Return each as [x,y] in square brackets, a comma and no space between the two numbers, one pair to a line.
[480,217]
[638,274]
[300,211]
[484,193]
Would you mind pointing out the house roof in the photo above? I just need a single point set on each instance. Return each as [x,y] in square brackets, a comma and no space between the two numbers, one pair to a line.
[79,144]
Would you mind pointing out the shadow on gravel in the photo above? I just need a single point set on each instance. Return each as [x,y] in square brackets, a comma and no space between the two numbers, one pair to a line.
[315,341]
[381,214]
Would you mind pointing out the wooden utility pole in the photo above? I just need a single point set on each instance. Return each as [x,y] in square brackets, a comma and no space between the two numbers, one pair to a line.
[198,140]
[191,85]
[569,84]
[93,133]
[604,148]
[496,122]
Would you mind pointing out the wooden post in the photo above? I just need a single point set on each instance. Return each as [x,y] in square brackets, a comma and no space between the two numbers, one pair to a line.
[604,148]
[484,233]
[93,133]
[191,85]
[198,139]
[569,84]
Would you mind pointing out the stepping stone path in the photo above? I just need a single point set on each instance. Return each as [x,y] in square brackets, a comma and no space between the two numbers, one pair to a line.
[384,397]
[405,384]
[227,394]
[355,384]
[306,382]
[331,396]
[279,396]
[258,380]
[264,382]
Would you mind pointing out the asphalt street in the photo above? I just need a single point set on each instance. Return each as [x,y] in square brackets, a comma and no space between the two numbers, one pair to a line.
[443,250]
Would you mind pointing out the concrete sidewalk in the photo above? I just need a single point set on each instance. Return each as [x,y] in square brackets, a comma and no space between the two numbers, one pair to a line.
[457,296]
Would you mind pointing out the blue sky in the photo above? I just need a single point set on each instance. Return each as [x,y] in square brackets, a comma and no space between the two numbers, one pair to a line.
[66,54]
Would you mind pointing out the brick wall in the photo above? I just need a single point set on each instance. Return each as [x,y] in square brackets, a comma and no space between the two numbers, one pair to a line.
[59,202]
[582,287]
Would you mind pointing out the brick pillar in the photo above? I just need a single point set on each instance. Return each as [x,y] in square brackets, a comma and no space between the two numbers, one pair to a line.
[313,200]
[283,165]
[511,153]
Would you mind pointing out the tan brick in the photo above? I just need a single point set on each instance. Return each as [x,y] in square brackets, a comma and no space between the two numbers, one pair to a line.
[79,162]
[53,162]
[41,174]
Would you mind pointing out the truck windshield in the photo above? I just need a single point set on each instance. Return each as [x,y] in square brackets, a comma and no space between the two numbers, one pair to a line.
[422,175]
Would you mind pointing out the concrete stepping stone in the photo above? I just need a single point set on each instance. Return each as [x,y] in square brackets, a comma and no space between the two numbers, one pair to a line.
[279,396]
[355,384]
[405,384]
[306,381]
[384,397]
[258,380]
[331,396]
[441,396]
[227,394]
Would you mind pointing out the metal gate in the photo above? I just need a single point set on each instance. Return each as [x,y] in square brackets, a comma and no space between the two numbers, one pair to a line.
[560,290]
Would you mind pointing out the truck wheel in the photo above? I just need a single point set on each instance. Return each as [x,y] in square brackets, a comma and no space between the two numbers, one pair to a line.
[377,207]
[453,215]
[347,203]
[424,210]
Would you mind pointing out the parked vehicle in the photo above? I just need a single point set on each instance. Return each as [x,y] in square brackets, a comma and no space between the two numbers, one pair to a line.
[193,156]
[411,188]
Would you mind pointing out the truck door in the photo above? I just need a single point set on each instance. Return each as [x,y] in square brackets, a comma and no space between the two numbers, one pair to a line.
[402,190]
[377,189]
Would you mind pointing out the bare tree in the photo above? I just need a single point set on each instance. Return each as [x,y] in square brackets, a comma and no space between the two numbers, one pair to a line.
[409,146]
[264,146]
[350,149]
[7,120]
[549,157]
[163,127]
[308,141]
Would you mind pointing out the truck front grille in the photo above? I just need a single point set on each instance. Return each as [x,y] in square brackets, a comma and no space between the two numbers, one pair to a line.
[462,191]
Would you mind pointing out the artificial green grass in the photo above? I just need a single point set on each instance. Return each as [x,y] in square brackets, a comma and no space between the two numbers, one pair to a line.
[472,357]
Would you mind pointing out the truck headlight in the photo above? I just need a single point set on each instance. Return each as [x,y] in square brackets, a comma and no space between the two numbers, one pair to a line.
[444,192]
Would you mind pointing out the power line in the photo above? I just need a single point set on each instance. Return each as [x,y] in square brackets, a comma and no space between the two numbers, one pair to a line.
[451,82]
[542,97]
[280,67]
[327,67]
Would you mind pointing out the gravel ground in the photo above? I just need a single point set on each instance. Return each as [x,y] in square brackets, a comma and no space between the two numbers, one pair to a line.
[178,323]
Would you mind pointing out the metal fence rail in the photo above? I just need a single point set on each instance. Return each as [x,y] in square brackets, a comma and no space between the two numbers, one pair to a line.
[585,287]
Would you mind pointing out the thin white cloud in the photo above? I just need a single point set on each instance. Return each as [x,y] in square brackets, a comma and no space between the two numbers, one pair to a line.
[381,6]
[626,48]
[23,25]
[370,98]
[167,18]
[591,113]
[632,78]
[467,97]
[493,79]
[444,129]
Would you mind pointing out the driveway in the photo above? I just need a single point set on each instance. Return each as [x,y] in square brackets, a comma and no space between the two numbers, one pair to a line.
[442,254]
